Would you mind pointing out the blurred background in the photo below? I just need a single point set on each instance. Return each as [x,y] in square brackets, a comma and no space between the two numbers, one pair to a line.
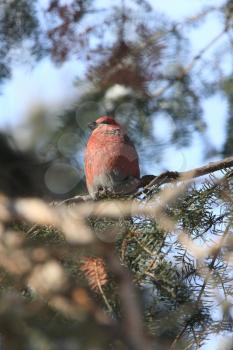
[163,69]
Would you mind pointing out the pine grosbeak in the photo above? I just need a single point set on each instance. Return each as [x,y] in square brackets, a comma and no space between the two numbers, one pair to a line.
[111,160]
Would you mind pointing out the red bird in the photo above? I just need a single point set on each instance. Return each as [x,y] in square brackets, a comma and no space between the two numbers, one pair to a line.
[111,160]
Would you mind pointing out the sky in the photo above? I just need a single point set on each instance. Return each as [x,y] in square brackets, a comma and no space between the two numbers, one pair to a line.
[27,88]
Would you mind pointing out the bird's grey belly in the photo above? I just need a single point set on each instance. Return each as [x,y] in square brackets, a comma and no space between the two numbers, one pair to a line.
[114,182]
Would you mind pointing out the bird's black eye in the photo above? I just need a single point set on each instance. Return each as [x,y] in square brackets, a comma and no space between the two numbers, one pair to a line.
[92,125]
[105,122]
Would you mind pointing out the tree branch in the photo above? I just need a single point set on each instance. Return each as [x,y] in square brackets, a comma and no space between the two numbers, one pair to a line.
[132,322]
[170,176]
[149,181]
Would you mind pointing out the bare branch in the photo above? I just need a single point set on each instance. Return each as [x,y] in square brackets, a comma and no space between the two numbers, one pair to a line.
[171,176]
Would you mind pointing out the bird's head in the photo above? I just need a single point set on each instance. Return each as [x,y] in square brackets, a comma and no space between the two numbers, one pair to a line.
[103,121]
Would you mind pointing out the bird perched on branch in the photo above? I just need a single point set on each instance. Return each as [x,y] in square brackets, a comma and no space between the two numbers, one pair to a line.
[111,160]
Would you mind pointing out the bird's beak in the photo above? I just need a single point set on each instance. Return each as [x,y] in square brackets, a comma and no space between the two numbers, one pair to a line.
[92,125]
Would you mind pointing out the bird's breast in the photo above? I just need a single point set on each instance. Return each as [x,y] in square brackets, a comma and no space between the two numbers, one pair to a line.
[110,157]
